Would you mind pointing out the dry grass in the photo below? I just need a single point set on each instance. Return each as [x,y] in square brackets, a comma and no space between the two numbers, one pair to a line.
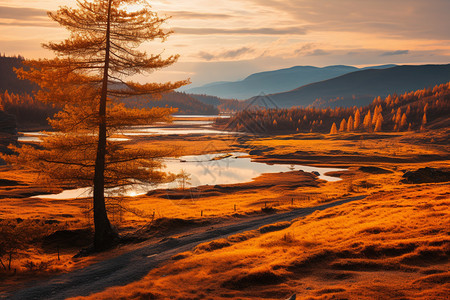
[394,244]
[391,245]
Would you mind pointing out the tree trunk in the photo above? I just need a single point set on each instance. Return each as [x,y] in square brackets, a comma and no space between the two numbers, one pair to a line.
[104,234]
[4,267]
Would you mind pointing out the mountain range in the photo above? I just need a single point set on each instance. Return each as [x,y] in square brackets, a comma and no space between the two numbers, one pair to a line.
[361,87]
[300,86]
[275,81]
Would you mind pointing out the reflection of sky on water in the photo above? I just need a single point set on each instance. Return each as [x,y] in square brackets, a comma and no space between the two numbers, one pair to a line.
[145,130]
[170,131]
[202,116]
[35,138]
[205,171]
[31,139]
[195,122]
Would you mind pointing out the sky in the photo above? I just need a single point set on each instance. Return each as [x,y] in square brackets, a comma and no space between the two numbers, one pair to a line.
[227,40]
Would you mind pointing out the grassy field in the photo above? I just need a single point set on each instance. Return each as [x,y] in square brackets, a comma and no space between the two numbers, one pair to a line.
[393,244]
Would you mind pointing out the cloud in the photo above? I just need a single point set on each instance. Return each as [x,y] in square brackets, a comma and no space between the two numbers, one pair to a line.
[196,15]
[24,17]
[21,13]
[411,19]
[319,52]
[229,54]
[310,49]
[392,53]
[29,24]
[240,31]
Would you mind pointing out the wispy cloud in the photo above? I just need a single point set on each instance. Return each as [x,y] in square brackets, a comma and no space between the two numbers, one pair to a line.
[392,53]
[240,31]
[196,15]
[396,19]
[229,54]
[319,52]
[21,13]
[310,49]
[24,17]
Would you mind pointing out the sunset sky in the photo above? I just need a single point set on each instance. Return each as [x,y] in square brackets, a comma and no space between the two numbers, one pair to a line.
[228,40]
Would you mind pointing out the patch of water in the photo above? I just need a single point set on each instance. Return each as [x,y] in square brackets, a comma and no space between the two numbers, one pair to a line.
[209,169]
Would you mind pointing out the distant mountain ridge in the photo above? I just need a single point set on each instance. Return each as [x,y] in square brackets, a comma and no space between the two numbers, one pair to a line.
[276,81]
[360,87]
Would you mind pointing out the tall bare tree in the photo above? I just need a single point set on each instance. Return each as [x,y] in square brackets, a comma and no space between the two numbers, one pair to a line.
[88,78]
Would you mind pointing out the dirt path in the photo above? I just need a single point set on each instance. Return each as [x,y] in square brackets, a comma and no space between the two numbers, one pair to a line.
[134,265]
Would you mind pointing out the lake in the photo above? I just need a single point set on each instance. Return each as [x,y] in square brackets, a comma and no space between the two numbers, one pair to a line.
[182,125]
[208,169]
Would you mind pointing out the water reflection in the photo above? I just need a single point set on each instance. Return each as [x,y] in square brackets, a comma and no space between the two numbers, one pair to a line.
[210,169]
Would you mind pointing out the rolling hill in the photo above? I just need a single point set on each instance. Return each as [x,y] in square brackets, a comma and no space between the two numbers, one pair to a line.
[359,88]
[274,81]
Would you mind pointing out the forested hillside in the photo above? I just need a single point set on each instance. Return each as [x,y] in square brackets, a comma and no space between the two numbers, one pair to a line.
[16,99]
[419,110]
[185,103]
[8,79]
[29,113]
[224,105]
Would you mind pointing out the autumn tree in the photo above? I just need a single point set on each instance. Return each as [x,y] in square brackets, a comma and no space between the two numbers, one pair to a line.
[333,129]
[88,79]
[357,119]
[403,121]
[379,123]
[368,121]
[343,126]
[350,124]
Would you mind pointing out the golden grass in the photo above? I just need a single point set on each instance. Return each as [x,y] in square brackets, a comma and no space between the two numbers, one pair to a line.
[356,148]
[390,245]
[395,217]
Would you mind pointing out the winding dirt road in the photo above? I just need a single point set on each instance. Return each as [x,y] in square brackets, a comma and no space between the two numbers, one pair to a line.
[134,265]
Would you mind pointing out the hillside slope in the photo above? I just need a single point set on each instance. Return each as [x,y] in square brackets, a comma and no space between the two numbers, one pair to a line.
[361,87]
[272,81]
[8,79]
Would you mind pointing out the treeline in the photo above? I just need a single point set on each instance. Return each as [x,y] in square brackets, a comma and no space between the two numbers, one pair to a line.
[31,114]
[223,105]
[28,112]
[16,99]
[185,103]
[409,111]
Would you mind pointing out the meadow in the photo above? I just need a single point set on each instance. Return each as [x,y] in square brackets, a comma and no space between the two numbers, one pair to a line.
[395,240]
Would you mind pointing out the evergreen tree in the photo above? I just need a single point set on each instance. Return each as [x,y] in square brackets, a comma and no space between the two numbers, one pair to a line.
[343,125]
[403,121]
[87,78]
[357,119]
[350,124]
[333,129]
[368,121]
[379,124]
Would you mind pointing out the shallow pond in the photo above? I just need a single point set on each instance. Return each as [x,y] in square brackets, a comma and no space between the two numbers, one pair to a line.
[210,169]
[177,127]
